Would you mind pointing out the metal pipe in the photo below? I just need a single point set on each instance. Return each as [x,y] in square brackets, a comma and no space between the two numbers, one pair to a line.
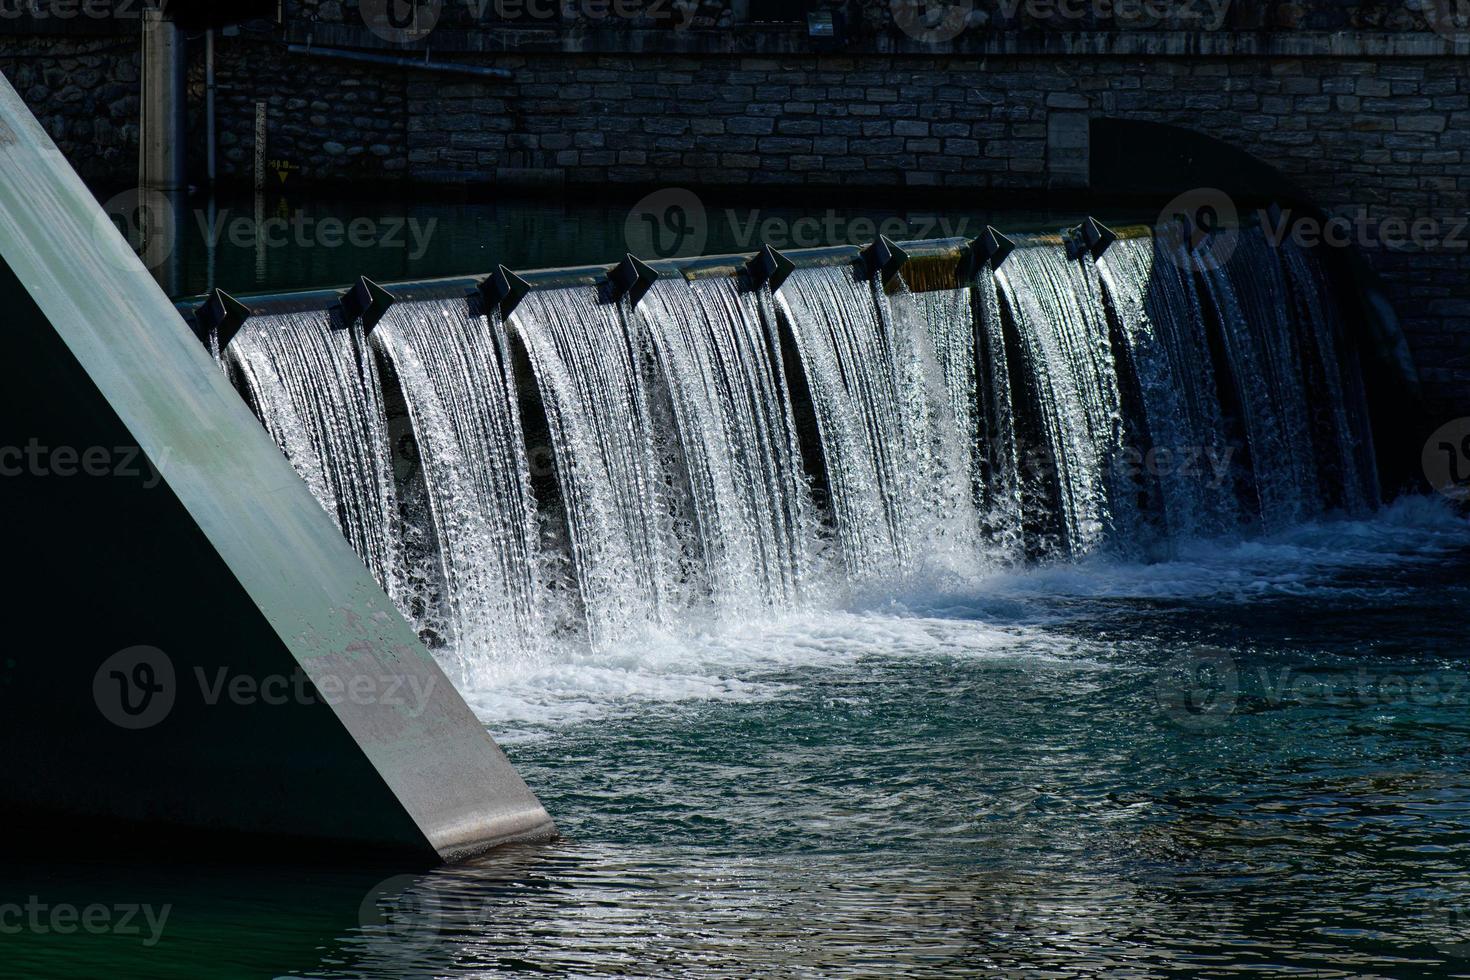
[594,276]
[161,141]
[401,62]
[209,89]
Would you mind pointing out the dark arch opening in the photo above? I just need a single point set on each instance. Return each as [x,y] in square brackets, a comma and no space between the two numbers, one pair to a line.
[1150,163]
[1129,158]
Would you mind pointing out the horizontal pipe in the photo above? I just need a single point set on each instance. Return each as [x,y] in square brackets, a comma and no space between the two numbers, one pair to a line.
[941,250]
[398,61]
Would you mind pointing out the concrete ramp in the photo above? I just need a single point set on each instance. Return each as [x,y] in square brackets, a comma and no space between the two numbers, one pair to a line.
[191,643]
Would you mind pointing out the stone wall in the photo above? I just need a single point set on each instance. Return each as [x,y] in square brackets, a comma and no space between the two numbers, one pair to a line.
[867,18]
[85,92]
[325,121]
[1372,126]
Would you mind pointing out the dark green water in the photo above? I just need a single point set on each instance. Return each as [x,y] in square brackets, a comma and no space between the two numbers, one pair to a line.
[1250,760]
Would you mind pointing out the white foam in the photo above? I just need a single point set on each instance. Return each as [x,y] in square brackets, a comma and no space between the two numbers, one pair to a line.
[997,615]
[747,664]
[1310,559]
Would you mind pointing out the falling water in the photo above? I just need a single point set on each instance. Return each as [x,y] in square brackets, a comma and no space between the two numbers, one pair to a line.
[995,430]
[738,438]
[633,531]
[1062,338]
[1185,455]
[317,390]
[1248,302]
[934,354]
[949,317]
[1349,468]
[592,470]
[455,375]
[892,496]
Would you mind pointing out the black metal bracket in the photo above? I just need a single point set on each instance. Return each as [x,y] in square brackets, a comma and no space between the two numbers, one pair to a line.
[221,314]
[1094,236]
[991,248]
[1074,245]
[769,267]
[884,259]
[503,290]
[367,300]
[631,277]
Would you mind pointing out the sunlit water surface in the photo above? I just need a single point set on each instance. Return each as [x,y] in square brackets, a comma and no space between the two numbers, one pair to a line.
[1249,759]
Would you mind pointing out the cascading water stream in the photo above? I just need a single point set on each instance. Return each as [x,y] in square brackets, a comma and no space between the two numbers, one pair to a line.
[630,514]
[949,316]
[454,371]
[1345,435]
[995,431]
[738,438]
[894,501]
[316,389]
[1062,339]
[847,368]
[1247,303]
[1187,458]
[590,470]
[933,346]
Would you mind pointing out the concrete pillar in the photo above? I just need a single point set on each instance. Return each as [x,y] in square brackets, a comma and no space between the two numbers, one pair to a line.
[161,144]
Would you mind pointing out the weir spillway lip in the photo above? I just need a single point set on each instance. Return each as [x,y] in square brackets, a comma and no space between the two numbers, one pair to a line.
[942,263]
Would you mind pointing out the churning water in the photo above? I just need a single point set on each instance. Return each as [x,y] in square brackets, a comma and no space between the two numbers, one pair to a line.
[1050,624]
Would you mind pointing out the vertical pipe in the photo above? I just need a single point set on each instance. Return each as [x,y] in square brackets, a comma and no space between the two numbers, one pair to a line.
[260,263]
[162,172]
[161,140]
[211,244]
[209,120]
[260,148]
[260,138]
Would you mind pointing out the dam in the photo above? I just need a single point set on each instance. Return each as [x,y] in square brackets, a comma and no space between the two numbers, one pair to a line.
[561,459]
[923,514]
[825,488]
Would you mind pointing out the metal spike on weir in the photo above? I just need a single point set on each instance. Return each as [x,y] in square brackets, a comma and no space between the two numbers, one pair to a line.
[884,258]
[991,248]
[769,267]
[367,300]
[631,277]
[1096,236]
[221,314]
[503,290]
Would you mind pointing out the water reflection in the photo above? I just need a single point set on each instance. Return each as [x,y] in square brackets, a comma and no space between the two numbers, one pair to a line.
[932,796]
